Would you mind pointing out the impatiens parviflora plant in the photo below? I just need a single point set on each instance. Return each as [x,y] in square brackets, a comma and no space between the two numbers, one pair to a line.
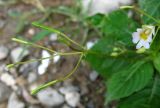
[131,72]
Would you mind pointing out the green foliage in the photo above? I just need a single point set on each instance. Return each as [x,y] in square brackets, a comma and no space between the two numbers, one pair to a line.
[126,72]
[146,98]
[156,43]
[156,62]
[40,35]
[115,34]
[102,60]
[152,7]
[132,78]
[117,24]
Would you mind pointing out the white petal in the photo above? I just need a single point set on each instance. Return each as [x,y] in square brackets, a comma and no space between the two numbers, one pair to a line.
[146,45]
[153,31]
[135,37]
[139,45]
[149,39]
[139,30]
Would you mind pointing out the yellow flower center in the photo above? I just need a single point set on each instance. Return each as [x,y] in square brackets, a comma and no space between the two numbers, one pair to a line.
[145,33]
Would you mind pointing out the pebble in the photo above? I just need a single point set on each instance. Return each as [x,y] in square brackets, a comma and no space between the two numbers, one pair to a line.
[8,79]
[5,92]
[32,77]
[90,104]
[65,106]
[17,54]
[34,106]
[50,97]
[31,31]
[56,58]
[3,52]
[68,89]
[44,63]
[93,76]
[28,67]
[2,23]
[53,37]
[14,102]
[72,98]
[89,45]
[2,68]
[102,6]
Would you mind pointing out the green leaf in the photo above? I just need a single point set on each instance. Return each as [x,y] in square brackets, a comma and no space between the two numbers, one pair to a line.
[101,60]
[117,29]
[96,19]
[156,62]
[152,7]
[129,80]
[146,98]
[42,34]
[118,25]
[156,42]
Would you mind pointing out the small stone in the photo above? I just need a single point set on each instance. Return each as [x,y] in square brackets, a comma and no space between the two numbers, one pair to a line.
[14,102]
[2,23]
[2,68]
[53,37]
[34,106]
[92,7]
[32,77]
[3,52]
[56,58]
[68,89]
[8,79]
[89,44]
[72,98]
[5,92]
[90,104]
[50,97]
[31,31]
[93,76]
[3,105]
[44,64]
[17,54]
[26,68]
[66,106]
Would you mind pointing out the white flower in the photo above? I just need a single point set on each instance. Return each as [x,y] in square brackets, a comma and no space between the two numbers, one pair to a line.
[143,36]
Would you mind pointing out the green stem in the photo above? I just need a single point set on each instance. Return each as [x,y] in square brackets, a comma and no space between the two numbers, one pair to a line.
[29,61]
[153,88]
[42,47]
[155,35]
[35,60]
[140,11]
[32,44]
[58,80]
[71,73]
[58,32]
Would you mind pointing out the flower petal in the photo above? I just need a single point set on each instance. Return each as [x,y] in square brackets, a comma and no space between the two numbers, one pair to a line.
[146,45]
[149,39]
[135,37]
[139,45]
[139,30]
